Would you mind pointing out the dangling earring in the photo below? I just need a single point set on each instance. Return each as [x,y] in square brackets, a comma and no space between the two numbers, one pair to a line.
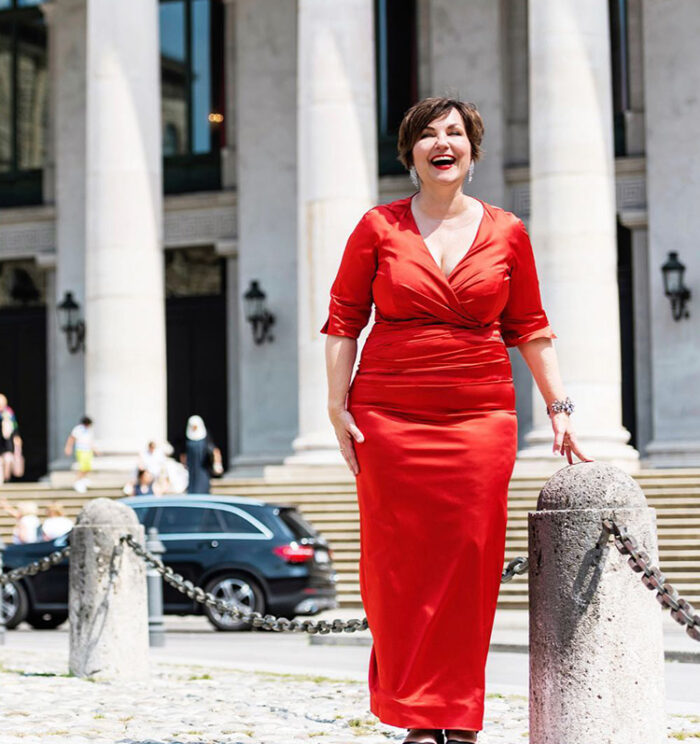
[413,175]
[470,171]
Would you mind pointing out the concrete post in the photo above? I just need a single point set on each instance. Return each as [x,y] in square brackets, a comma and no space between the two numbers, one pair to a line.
[156,627]
[107,595]
[596,640]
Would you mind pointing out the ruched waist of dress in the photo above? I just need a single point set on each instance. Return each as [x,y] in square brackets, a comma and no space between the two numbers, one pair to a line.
[416,350]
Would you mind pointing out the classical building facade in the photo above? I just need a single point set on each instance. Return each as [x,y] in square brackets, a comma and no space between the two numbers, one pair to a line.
[156,158]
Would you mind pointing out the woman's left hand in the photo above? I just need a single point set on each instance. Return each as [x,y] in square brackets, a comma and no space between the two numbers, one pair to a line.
[565,442]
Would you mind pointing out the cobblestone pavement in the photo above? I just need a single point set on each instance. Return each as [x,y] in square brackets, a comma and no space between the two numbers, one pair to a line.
[186,704]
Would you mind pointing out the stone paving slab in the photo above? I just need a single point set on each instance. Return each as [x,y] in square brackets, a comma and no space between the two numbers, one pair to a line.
[187,704]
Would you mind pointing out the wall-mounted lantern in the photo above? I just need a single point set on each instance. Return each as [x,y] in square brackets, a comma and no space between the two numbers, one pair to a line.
[71,324]
[257,314]
[673,271]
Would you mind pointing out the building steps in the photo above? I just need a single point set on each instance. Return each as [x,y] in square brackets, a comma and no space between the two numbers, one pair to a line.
[331,507]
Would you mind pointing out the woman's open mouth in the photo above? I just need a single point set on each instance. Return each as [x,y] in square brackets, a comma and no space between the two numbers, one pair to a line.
[443,162]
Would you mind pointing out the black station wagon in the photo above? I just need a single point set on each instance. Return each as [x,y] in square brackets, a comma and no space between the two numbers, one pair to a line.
[259,556]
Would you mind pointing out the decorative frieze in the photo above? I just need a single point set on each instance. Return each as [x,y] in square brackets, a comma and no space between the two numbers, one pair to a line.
[27,232]
[630,187]
[199,219]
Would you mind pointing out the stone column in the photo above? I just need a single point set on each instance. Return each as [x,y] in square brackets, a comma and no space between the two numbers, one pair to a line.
[266,163]
[125,316]
[467,63]
[573,223]
[233,357]
[672,80]
[337,163]
[67,21]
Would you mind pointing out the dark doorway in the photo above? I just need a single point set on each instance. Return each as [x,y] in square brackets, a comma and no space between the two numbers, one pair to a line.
[626,298]
[23,380]
[196,354]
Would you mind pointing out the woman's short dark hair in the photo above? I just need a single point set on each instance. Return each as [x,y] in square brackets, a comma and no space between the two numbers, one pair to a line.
[419,116]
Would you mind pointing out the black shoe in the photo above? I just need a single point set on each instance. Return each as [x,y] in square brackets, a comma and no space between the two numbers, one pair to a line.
[459,741]
[439,738]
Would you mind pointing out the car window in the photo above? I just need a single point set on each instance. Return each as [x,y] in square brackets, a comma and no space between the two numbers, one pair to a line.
[298,526]
[237,523]
[145,515]
[211,521]
[180,519]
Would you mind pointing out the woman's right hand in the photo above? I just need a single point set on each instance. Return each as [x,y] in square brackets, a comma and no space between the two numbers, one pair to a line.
[347,434]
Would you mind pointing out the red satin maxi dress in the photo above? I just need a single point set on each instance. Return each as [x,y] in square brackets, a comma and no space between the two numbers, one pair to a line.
[434,398]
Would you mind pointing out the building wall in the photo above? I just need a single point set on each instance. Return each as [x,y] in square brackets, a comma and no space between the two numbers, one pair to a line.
[476,50]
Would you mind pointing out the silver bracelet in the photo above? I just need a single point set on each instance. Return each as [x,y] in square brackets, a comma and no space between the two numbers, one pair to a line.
[561,406]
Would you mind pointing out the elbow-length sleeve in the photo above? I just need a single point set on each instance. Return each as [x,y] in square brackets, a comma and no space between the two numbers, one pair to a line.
[523,318]
[351,293]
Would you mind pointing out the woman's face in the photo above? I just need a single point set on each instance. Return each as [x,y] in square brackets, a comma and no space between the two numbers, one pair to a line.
[443,152]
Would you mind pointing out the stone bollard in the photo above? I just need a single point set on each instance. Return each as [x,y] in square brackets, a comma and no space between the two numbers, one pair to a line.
[596,638]
[107,595]
[156,626]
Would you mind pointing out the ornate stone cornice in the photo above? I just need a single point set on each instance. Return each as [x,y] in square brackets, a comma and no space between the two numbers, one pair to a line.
[200,219]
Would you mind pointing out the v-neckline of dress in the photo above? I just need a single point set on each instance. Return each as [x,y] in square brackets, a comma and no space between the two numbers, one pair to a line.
[469,250]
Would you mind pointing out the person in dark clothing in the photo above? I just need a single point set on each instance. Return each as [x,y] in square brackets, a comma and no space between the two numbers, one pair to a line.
[202,456]
[144,483]
[12,460]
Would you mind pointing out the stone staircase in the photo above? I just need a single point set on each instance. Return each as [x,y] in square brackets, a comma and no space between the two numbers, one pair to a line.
[331,506]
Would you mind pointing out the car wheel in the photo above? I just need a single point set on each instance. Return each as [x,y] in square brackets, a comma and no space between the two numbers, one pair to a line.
[242,592]
[14,604]
[47,620]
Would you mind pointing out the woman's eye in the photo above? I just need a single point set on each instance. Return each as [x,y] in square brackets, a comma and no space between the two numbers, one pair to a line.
[425,134]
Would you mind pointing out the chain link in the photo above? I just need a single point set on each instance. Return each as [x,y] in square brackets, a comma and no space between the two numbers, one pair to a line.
[667,595]
[33,568]
[515,567]
[639,561]
[256,619]
[269,622]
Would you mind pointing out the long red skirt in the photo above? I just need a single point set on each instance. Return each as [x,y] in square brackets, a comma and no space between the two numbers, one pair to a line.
[436,406]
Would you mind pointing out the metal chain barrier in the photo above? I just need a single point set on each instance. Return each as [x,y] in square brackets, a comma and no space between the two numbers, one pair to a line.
[35,567]
[515,567]
[256,619]
[639,561]
[667,595]
[269,622]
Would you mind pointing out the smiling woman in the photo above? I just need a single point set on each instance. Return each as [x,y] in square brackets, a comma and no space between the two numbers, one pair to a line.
[428,425]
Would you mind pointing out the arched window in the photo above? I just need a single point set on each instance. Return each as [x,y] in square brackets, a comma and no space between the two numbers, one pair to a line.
[397,74]
[23,102]
[192,93]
